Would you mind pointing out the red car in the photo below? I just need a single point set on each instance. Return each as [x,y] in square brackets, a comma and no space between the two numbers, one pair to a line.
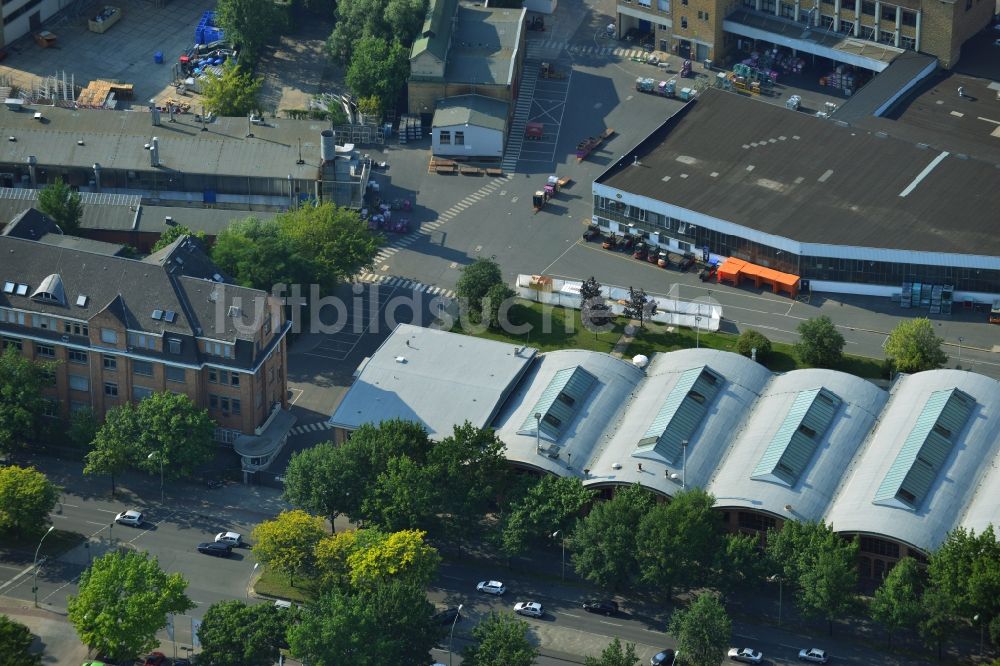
[155,659]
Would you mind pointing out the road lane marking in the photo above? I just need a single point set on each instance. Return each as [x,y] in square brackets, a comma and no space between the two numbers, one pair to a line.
[571,615]
[70,505]
[91,522]
[613,624]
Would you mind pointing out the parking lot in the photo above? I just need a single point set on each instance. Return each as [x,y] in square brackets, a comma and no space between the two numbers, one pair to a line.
[548,106]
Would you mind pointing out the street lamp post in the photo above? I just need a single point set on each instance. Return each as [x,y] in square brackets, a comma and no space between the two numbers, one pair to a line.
[538,432]
[976,618]
[558,533]
[451,636]
[34,580]
[160,458]
[780,581]
[250,578]
[697,332]
[684,465]
[960,341]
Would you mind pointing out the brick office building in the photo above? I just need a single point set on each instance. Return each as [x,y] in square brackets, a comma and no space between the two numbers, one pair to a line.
[121,329]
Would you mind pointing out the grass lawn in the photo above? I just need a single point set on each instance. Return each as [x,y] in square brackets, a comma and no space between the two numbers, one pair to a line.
[273,584]
[54,545]
[552,328]
[782,358]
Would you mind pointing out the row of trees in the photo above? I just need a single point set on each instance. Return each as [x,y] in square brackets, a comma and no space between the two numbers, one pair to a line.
[912,346]
[165,431]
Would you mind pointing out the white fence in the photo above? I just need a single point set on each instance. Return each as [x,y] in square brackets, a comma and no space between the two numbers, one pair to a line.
[705,315]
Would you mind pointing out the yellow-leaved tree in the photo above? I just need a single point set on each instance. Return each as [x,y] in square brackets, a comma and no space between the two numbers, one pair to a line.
[358,560]
[287,544]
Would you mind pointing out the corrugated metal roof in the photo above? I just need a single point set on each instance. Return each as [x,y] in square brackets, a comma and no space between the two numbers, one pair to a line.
[794,444]
[559,403]
[926,449]
[682,412]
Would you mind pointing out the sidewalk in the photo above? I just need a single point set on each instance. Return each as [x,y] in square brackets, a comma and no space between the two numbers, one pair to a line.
[54,635]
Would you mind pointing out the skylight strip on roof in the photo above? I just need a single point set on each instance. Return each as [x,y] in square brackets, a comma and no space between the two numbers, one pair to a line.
[794,444]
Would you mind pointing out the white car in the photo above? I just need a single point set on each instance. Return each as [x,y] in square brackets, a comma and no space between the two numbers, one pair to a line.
[529,608]
[131,518]
[815,655]
[233,539]
[745,655]
[491,587]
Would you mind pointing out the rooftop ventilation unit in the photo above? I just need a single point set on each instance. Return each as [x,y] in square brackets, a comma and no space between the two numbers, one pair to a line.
[81,301]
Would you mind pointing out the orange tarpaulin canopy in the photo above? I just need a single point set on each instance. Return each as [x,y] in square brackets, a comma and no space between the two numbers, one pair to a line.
[734,270]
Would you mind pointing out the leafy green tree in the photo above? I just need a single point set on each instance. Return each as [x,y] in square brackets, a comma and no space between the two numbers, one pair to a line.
[177,433]
[256,254]
[498,296]
[702,631]
[470,471]
[605,542]
[115,446]
[233,633]
[391,623]
[287,543]
[26,499]
[388,19]
[939,619]
[174,232]
[370,106]
[615,654]
[403,497]
[820,343]
[248,23]
[378,68]
[913,346]
[897,601]
[333,242]
[966,570]
[740,562]
[476,281]
[819,564]
[63,205]
[235,92]
[314,480]
[122,601]
[83,428]
[827,586]
[673,541]
[21,401]
[501,640]
[15,644]
[552,504]
[750,340]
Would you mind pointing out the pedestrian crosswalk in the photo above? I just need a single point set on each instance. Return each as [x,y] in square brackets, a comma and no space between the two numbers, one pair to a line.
[404,283]
[536,48]
[311,427]
[402,242]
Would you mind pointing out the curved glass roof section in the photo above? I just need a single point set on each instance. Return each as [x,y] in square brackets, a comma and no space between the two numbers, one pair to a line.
[682,413]
[559,403]
[795,442]
[926,449]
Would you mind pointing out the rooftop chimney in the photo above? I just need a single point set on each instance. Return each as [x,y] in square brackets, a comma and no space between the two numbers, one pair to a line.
[97,177]
[32,171]
[154,112]
[154,152]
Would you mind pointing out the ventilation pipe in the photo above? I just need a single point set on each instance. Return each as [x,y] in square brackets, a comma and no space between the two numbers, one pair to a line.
[154,112]
[291,193]
[249,126]
[32,170]
[327,146]
[97,177]
[154,152]
[170,110]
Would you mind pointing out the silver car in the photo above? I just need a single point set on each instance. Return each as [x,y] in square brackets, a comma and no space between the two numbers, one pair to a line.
[746,655]
[815,655]
[131,518]
[491,587]
[529,608]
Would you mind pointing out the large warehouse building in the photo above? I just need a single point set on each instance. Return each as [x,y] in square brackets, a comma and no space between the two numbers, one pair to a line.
[899,468]
[847,209]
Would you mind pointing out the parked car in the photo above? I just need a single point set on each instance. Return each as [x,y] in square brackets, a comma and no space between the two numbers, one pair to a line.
[131,518]
[529,608]
[217,549]
[640,251]
[815,655]
[602,606]
[155,659]
[746,655]
[664,657]
[686,263]
[233,539]
[593,233]
[491,587]
[448,616]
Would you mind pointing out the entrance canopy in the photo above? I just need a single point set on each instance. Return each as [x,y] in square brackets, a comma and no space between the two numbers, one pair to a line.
[811,39]
[734,270]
